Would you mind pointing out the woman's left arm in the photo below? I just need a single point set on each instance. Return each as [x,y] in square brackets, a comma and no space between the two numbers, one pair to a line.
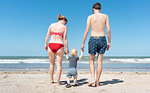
[47,37]
[66,41]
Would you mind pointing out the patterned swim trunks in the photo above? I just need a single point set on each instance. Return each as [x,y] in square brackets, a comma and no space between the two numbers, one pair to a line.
[97,44]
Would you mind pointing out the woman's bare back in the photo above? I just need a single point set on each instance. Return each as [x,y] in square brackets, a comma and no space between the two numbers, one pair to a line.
[57,28]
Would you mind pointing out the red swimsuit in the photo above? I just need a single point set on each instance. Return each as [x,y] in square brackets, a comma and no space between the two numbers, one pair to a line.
[55,46]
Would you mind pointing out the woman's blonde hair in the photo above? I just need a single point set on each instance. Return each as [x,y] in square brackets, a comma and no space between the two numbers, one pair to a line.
[60,17]
[73,52]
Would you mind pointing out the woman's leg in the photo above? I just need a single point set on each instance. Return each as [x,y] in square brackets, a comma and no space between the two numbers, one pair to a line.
[99,68]
[52,64]
[92,68]
[59,58]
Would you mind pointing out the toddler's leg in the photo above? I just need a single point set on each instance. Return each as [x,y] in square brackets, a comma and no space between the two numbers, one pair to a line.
[75,80]
[68,80]
[68,83]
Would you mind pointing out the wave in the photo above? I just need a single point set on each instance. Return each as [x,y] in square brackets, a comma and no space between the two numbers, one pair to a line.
[131,60]
[106,61]
[24,61]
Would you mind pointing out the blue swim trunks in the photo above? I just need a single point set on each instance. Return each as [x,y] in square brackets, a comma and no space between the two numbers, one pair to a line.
[97,44]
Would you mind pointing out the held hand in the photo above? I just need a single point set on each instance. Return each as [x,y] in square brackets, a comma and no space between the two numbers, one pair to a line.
[66,52]
[82,47]
[108,46]
[82,51]
[46,47]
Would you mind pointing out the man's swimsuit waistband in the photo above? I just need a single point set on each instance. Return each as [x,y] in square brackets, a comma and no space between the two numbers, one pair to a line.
[97,37]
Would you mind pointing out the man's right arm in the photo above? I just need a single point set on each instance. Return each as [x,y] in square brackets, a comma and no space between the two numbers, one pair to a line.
[108,33]
[86,33]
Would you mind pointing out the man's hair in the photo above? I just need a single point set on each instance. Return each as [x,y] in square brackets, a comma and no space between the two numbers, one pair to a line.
[97,6]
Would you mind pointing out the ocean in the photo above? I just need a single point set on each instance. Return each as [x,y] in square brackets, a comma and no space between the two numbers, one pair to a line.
[41,63]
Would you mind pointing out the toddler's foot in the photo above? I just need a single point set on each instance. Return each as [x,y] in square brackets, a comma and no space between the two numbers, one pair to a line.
[68,86]
[74,85]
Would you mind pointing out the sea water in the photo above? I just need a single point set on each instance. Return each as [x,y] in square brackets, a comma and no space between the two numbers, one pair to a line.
[41,63]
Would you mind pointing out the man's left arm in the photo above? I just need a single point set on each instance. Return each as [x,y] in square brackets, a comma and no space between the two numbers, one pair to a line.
[108,33]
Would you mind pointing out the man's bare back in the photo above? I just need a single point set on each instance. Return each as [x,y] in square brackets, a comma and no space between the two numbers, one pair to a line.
[98,22]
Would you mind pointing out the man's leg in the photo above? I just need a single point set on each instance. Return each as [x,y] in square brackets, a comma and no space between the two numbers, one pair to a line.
[99,68]
[92,68]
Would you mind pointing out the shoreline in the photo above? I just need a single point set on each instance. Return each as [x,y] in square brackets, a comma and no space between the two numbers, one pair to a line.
[79,70]
[63,72]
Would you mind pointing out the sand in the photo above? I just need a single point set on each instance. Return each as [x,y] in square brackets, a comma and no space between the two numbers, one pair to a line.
[38,82]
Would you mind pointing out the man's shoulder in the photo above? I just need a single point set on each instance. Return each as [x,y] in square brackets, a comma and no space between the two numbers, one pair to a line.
[104,14]
[90,15]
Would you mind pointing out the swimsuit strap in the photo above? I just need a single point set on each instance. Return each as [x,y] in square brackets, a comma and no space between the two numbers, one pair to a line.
[60,34]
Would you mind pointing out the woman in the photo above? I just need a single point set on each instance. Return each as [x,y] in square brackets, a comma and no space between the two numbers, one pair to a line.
[58,32]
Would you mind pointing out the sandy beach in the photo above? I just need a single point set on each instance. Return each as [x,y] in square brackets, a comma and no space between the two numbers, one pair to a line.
[38,82]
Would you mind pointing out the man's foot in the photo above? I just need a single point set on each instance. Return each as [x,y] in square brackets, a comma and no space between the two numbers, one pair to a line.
[91,83]
[68,86]
[97,84]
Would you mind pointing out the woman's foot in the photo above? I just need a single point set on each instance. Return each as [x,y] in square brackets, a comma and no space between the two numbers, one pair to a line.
[68,86]
[51,82]
[58,83]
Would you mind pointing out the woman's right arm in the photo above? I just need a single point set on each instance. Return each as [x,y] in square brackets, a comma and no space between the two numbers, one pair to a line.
[66,41]
[47,38]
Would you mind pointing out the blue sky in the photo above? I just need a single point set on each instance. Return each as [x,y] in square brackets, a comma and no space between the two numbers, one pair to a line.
[24,24]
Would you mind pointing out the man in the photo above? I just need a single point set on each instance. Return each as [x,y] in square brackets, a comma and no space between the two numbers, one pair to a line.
[97,42]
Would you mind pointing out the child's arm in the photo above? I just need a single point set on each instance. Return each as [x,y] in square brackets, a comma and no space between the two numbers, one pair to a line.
[81,54]
[67,56]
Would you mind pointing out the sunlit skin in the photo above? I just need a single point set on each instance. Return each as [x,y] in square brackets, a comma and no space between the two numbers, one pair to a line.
[97,22]
[58,27]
